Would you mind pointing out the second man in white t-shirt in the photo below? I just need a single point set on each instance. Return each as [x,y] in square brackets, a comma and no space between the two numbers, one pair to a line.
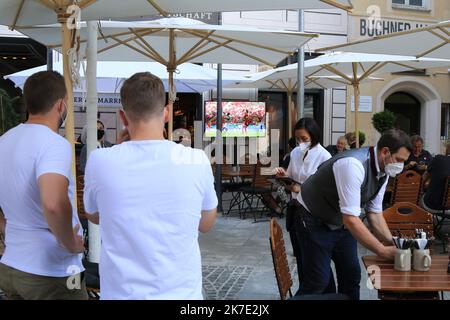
[151,198]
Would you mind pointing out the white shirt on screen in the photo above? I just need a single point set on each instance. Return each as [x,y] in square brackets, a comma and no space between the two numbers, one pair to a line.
[349,175]
[301,167]
[33,150]
[149,195]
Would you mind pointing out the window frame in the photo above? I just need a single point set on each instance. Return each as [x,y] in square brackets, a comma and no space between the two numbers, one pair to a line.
[424,7]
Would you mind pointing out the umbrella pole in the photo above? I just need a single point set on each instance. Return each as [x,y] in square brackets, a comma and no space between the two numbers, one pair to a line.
[289,113]
[171,67]
[69,126]
[171,102]
[356,95]
[91,117]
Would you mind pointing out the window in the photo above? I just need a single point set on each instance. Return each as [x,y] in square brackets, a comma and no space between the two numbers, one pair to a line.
[411,4]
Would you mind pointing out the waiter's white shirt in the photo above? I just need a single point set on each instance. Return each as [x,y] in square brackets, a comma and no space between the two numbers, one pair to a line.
[349,176]
[301,167]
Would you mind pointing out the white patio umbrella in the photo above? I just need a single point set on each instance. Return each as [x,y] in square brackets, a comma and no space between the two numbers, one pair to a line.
[432,41]
[354,68]
[285,79]
[173,41]
[65,12]
[188,78]
[33,12]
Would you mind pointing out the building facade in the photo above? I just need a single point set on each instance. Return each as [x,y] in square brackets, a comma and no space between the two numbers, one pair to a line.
[421,100]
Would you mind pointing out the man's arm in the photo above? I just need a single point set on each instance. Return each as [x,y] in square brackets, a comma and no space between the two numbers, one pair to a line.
[55,202]
[379,227]
[349,176]
[367,239]
[94,218]
[207,220]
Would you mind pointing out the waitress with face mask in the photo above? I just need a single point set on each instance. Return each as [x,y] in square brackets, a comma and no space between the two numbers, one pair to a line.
[305,159]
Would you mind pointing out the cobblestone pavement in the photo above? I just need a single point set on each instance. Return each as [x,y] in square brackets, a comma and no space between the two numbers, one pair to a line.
[224,282]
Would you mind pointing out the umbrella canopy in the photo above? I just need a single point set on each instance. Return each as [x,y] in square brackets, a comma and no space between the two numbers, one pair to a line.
[432,42]
[110,75]
[353,68]
[285,79]
[192,41]
[32,12]
[173,41]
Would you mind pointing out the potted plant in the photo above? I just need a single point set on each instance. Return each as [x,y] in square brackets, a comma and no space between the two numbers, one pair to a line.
[383,121]
[362,138]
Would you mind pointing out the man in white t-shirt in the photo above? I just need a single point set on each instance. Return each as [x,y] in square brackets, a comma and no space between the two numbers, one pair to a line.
[43,239]
[151,197]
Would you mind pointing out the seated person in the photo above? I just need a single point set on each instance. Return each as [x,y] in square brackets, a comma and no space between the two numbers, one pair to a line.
[436,174]
[338,148]
[419,158]
[351,139]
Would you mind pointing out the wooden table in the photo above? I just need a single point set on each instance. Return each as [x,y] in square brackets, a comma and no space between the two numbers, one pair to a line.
[235,174]
[397,283]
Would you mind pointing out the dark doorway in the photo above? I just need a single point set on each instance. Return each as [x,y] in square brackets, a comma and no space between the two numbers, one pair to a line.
[276,104]
[407,111]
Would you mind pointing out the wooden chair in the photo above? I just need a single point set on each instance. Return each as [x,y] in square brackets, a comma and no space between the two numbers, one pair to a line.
[406,217]
[235,186]
[280,262]
[407,188]
[261,191]
[442,216]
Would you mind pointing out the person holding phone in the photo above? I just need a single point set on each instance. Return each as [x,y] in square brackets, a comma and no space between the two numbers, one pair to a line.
[420,159]
[304,161]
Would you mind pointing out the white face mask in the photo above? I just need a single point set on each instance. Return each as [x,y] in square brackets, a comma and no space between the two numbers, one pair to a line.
[304,145]
[393,169]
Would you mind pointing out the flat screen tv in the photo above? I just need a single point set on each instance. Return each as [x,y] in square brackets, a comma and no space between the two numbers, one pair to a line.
[239,119]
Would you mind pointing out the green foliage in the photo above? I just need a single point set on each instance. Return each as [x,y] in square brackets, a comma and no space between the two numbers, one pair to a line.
[8,115]
[362,138]
[383,121]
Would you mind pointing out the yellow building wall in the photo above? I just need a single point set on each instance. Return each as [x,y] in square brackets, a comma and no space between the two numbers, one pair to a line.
[439,79]
[439,10]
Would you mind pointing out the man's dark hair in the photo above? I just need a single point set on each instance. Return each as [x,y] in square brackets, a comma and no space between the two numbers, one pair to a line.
[394,139]
[311,127]
[42,90]
[143,96]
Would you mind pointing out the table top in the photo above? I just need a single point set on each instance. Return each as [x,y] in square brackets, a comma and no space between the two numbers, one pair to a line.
[436,279]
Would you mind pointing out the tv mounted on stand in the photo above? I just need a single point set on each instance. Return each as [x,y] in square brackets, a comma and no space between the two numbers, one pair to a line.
[239,119]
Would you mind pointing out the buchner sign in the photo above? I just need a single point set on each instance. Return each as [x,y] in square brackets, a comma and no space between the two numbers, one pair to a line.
[366,27]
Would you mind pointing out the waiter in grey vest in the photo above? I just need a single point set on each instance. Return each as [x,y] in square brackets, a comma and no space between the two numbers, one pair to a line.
[328,224]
